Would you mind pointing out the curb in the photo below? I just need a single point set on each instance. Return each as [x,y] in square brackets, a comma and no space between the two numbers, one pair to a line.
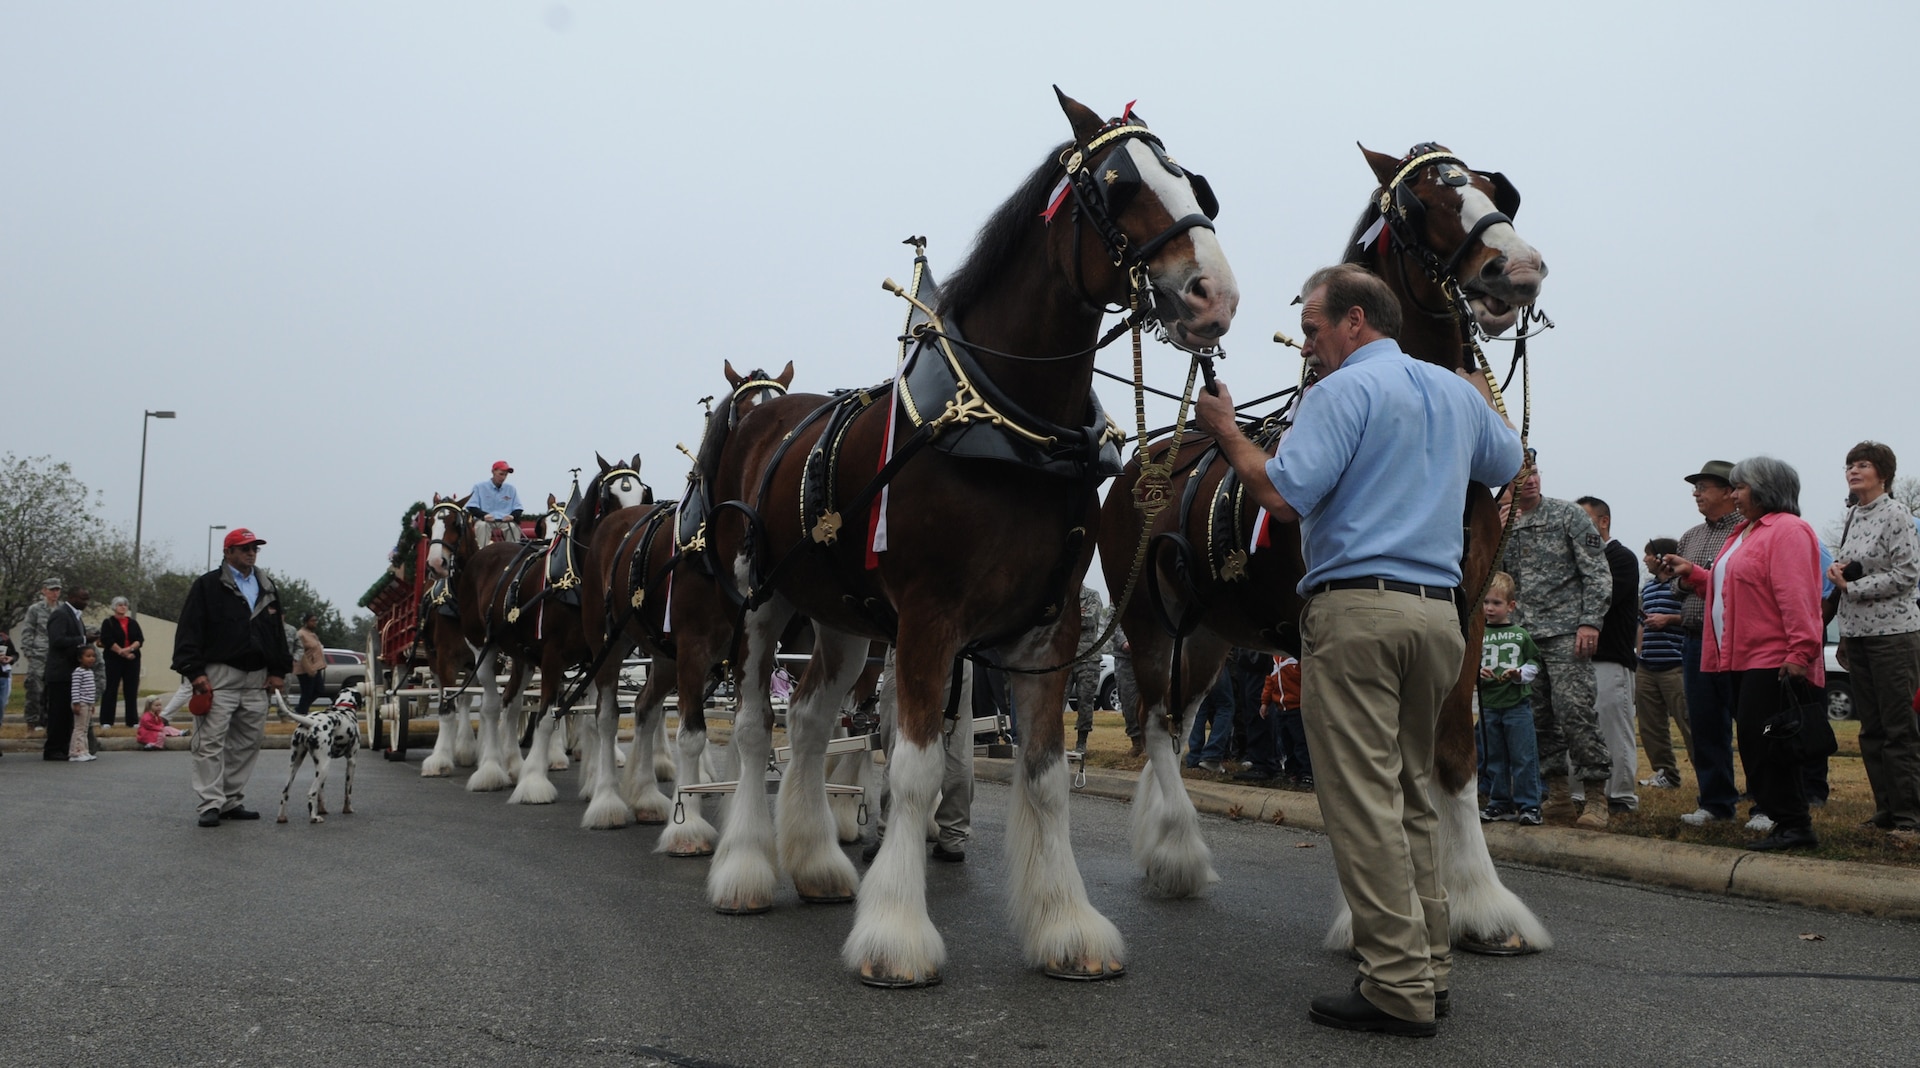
[1831,885]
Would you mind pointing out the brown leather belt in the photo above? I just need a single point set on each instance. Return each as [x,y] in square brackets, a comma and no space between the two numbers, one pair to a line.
[1449,594]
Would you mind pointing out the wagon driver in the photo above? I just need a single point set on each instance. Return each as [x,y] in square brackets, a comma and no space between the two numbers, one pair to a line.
[1375,471]
[496,503]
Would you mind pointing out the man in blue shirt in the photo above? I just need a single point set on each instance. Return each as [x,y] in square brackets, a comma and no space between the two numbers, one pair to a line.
[1375,471]
[497,504]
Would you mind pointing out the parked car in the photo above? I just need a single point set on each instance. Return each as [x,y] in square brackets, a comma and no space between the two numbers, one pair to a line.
[1839,687]
[345,669]
[1109,695]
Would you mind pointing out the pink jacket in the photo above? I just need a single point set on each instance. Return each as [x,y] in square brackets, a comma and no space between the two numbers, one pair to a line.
[1772,593]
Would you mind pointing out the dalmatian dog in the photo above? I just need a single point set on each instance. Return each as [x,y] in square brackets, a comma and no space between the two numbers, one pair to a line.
[324,736]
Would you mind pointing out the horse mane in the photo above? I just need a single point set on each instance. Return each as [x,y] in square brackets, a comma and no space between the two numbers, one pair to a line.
[1001,237]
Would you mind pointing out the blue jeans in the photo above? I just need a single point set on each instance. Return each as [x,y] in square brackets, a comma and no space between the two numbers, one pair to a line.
[1512,754]
[1710,705]
[1216,712]
[1293,744]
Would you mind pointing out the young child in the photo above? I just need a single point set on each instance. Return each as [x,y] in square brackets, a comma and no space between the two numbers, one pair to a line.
[154,728]
[1509,662]
[85,696]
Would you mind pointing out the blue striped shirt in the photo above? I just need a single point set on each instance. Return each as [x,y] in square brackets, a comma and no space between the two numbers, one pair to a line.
[1660,649]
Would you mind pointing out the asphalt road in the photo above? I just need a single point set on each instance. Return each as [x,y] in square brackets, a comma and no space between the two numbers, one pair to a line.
[438,927]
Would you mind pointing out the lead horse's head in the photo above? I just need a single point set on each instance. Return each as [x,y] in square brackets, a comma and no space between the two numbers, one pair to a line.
[1138,220]
[450,537]
[1458,222]
[618,486]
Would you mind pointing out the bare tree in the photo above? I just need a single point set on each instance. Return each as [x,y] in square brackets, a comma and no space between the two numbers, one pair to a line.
[46,518]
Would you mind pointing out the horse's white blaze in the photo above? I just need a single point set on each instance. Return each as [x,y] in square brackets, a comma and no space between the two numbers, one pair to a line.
[809,837]
[743,875]
[626,491]
[1177,197]
[436,549]
[1165,832]
[1500,237]
[892,934]
[1056,923]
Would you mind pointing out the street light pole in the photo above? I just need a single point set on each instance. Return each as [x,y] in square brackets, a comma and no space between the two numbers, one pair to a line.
[140,507]
[210,530]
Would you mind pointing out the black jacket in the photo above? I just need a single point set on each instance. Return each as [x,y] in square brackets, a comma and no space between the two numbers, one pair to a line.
[216,628]
[66,636]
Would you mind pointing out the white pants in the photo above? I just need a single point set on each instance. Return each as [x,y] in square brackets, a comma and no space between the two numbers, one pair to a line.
[1613,714]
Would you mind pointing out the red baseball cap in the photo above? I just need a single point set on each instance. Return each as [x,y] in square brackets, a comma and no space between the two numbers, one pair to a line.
[241,536]
[501,465]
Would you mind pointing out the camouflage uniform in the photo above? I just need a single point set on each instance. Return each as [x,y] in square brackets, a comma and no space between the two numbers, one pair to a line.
[1086,674]
[1561,578]
[33,646]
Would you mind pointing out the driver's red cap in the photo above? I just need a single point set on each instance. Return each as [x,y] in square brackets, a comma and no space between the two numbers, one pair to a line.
[501,465]
[241,536]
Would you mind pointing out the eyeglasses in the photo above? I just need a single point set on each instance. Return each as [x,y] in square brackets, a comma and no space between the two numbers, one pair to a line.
[246,548]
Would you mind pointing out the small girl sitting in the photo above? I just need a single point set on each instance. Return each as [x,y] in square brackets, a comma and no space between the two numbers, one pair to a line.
[154,728]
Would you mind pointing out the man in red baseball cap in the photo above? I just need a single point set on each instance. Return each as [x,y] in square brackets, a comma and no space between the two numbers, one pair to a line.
[231,645]
[496,503]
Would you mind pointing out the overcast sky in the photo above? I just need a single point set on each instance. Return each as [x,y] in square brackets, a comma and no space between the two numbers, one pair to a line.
[366,249]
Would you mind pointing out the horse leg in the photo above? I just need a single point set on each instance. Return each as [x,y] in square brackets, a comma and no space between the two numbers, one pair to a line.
[491,774]
[894,942]
[664,769]
[809,835]
[689,834]
[445,755]
[647,804]
[1165,831]
[1059,929]
[744,876]
[844,770]
[535,788]
[466,747]
[555,754]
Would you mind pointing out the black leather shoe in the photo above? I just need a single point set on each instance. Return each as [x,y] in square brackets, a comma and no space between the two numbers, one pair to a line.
[1351,1011]
[210,818]
[238,812]
[1442,1005]
[951,856]
[1797,838]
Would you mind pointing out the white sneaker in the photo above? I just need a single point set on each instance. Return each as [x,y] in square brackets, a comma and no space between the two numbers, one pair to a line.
[1660,781]
[1700,817]
[1760,823]
[82,758]
[1213,766]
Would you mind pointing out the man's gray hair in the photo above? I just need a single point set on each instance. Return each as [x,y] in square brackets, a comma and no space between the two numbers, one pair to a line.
[1773,484]
[1350,285]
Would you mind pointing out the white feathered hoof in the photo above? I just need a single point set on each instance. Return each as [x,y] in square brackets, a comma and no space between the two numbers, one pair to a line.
[559,763]
[1079,945]
[651,809]
[692,838]
[1167,843]
[741,883]
[896,954]
[489,777]
[606,812]
[823,882]
[437,766]
[534,791]
[1340,935]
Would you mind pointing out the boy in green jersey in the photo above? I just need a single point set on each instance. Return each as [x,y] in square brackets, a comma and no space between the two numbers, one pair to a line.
[1509,751]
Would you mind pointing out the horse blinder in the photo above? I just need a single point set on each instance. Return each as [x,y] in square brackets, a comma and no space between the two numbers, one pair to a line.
[1506,199]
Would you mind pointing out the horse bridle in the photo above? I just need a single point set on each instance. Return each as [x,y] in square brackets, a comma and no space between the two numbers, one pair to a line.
[1099,198]
[1406,214]
[602,495]
[452,547]
[772,385]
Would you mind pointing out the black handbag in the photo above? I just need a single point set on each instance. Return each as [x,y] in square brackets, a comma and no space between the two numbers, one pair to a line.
[1800,728]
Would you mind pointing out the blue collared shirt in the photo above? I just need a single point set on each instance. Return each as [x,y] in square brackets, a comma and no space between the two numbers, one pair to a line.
[1377,465]
[502,501]
[249,585]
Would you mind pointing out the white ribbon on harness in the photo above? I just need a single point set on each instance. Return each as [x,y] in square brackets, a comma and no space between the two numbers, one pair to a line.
[666,611]
[886,455]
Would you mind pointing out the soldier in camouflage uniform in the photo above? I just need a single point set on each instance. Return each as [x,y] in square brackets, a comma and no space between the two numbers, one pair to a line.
[1559,566]
[33,646]
[1085,687]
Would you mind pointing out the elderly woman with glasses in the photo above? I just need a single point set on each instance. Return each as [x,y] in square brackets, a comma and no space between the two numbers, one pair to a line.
[121,639]
[1763,629]
[1875,571]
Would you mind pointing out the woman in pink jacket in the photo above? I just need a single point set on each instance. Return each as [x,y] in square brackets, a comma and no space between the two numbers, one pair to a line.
[1763,628]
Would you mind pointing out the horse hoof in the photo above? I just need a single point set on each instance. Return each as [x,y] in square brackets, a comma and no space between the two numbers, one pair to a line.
[691,852]
[653,821]
[1514,945]
[827,899]
[1086,971]
[896,982]
[742,910]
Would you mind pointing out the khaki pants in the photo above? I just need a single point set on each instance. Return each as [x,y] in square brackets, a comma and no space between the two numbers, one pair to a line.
[1660,697]
[227,739]
[1375,667]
